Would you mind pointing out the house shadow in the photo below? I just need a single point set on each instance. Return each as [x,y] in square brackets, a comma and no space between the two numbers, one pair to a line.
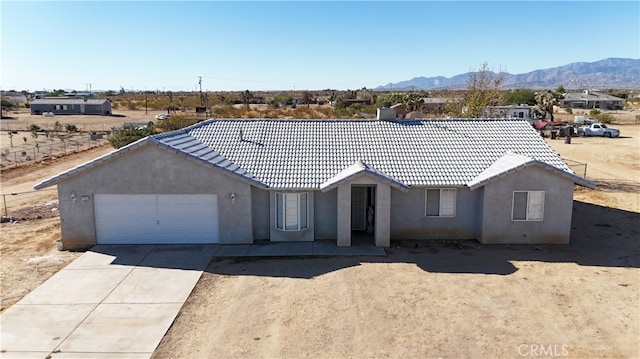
[184,257]
[600,236]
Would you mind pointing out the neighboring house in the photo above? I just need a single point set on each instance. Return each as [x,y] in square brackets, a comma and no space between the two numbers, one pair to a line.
[524,112]
[238,181]
[591,99]
[66,106]
[439,105]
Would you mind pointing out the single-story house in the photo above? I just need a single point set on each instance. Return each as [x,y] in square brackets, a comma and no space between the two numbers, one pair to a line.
[70,106]
[591,99]
[246,180]
[524,112]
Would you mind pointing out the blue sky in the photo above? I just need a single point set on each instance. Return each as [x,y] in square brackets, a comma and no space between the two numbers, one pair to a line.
[298,44]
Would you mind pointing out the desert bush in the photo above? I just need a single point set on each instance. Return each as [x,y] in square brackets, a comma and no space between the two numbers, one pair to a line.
[176,122]
[568,110]
[71,128]
[604,118]
[131,105]
[594,112]
[129,135]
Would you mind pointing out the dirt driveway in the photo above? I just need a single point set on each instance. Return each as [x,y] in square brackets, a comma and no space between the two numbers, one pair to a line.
[442,299]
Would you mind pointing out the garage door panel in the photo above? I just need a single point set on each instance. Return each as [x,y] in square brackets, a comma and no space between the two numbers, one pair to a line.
[158,218]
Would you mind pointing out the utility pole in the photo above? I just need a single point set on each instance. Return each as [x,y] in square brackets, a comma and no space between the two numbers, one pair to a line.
[200,84]
[145,101]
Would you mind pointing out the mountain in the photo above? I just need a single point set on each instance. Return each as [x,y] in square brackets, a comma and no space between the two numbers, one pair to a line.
[609,73]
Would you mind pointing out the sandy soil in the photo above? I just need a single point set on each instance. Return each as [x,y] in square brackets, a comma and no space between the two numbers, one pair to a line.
[613,163]
[442,299]
[22,118]
[27,248]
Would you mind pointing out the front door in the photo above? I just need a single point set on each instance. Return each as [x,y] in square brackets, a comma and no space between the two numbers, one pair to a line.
[362,208]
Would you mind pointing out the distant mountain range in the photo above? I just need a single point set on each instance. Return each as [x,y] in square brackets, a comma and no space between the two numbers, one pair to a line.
[608,73]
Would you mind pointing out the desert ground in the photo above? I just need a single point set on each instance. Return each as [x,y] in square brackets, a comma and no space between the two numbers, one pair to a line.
[424,299]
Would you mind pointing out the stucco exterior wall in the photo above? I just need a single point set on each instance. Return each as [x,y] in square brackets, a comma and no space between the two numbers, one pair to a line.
[151,170]
[72,109]
[409,220]
[382,210]
[260,213]
[498,226]
[326,222]
[305,235]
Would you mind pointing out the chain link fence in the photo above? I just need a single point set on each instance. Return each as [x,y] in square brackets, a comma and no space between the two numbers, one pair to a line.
[10,157]
[579,168]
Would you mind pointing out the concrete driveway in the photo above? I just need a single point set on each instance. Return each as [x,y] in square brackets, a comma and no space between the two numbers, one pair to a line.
[113,301]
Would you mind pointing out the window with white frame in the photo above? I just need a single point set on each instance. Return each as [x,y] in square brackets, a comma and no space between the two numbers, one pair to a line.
[441,202]
[528,206]
[291,211]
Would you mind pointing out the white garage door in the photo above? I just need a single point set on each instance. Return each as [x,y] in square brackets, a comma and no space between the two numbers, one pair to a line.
[156,218]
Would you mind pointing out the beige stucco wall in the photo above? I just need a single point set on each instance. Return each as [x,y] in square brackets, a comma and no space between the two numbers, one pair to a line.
[151,170]
[497,225]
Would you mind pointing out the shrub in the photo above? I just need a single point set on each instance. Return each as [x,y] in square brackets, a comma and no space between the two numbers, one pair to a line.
[71,128]
[176,122]
[129,135]
[604,118]
[594,112]
[569,110]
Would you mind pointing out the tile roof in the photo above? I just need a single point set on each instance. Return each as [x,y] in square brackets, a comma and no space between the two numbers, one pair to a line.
[304,154]
[194,152]
[358,169]
[512,162]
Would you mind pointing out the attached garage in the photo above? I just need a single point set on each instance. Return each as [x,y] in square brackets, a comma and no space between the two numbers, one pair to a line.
[156,218]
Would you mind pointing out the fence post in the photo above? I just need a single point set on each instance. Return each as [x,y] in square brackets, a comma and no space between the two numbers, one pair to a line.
[35,158]
[15,158]
[585,170]
[4,200]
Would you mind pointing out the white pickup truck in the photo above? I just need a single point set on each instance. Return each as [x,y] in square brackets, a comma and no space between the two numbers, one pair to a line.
[598,129]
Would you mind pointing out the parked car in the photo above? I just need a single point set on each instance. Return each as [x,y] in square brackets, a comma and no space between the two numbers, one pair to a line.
[48,114]
[163,116]
[598,129]
[581,120]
